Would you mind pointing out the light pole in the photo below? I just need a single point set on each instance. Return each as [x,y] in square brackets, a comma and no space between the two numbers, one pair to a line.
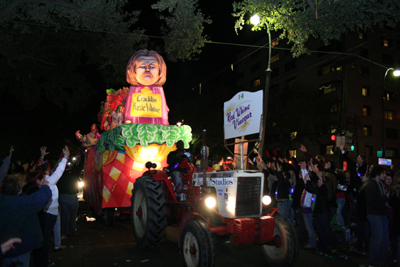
[255,19]
[395,73]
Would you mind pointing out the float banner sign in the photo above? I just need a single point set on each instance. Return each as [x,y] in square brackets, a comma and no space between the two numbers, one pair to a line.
[146,104]
[242,114]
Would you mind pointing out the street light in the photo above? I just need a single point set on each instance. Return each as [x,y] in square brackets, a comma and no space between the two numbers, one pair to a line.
[395,73]
[255,20]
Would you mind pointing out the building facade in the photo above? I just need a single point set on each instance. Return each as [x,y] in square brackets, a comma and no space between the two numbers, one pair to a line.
[332,90]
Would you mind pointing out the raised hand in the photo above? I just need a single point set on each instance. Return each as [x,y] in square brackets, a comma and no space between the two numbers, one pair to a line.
[43,151]
[303,148]
[66,152]
[11,150]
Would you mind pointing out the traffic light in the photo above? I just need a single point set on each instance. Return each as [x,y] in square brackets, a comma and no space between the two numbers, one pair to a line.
[349,141]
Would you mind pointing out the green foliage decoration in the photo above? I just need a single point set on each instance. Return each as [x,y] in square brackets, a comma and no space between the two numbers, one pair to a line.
[143,134]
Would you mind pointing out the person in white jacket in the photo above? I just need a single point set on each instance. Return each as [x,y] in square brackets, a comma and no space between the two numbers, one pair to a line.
[51,210]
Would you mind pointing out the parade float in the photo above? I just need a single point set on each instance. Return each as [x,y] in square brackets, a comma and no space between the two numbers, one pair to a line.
[133,130]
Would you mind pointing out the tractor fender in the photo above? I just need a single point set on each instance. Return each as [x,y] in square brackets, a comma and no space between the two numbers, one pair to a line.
[270,212]
[159,175]
[188,217]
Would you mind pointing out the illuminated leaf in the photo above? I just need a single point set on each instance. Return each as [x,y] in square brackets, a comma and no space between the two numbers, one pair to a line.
[132,141]
[147,133]
[127,130]
[170,134]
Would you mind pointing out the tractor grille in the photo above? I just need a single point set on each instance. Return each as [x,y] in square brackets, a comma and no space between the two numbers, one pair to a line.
[248,200]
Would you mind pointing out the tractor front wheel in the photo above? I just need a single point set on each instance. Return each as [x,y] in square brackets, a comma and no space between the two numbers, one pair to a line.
[149,213]
[285,247]
[196,244]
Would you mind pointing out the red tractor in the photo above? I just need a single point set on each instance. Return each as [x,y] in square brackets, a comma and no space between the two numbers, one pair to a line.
[231,203]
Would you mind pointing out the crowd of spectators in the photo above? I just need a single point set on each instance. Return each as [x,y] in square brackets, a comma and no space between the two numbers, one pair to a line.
[328,207]
[30,207]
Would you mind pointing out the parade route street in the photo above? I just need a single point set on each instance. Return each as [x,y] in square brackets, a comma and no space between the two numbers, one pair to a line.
[99,245]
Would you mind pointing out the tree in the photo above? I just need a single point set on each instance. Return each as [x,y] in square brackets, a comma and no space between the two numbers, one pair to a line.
[64,51]
[326,20]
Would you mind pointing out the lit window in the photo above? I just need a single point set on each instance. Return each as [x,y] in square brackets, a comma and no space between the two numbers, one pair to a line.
[333,129]
[329,150]
[390,96]
[327,69]
[275,58]
[294,153]
[390,115]
[256,82]
[367,129]
[329,89]
[293,135]
[365,91]
[385,42]
[366,110]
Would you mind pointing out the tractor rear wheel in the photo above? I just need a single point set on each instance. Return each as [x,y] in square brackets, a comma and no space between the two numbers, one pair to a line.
[196,244]
[285,250]
[149,213]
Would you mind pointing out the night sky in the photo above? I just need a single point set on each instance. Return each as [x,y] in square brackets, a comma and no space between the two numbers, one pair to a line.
[53,127]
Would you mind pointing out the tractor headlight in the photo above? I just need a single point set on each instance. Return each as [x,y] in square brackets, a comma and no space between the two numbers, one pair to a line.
[210,202]
[266,200]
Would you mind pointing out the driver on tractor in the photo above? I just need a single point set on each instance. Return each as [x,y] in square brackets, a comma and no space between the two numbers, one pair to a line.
[174,160]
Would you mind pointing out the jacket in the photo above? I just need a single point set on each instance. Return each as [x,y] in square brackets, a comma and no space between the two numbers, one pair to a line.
[18,218]
[52,206]
[68,183]
[376,201]
[321,203]
[282,187]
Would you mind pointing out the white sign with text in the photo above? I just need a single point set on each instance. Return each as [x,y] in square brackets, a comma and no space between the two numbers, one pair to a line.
[242,114]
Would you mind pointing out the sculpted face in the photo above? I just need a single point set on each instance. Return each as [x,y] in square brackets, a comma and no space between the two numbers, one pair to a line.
[147,70]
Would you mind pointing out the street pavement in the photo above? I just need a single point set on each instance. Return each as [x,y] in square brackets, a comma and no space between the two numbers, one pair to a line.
[99,245]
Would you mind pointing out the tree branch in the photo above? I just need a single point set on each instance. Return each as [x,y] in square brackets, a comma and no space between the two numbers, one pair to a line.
[13,4]
[181,9]
[277,10]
